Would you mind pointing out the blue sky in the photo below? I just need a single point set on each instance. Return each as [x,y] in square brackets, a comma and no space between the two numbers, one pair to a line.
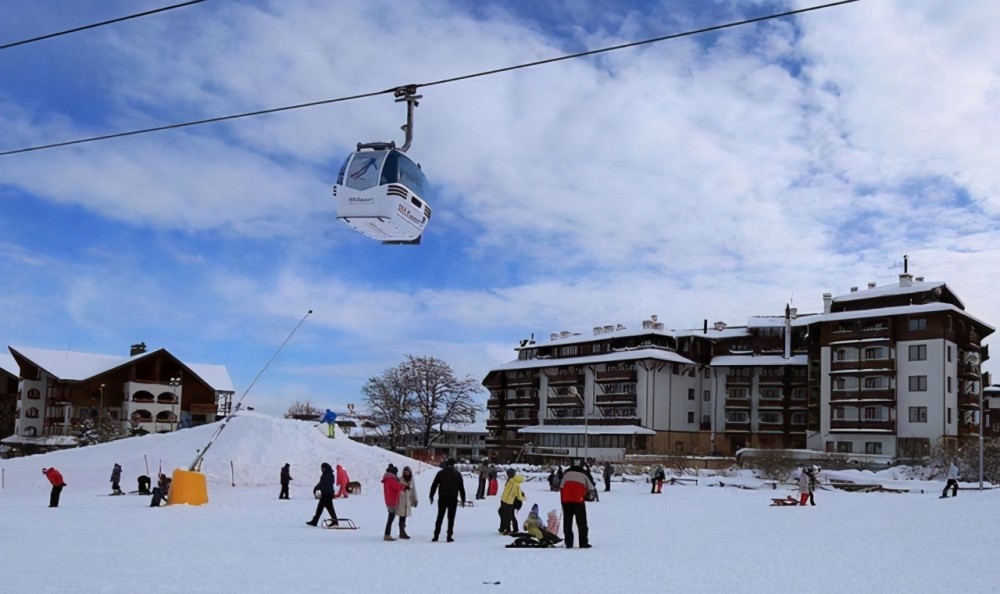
[715,177]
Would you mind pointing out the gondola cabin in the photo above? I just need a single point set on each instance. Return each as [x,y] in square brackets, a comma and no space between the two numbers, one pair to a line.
[380,195]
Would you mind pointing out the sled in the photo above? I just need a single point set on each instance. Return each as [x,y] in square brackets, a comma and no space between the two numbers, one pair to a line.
[523,540]
[469,503]
[787,501]
[342,524]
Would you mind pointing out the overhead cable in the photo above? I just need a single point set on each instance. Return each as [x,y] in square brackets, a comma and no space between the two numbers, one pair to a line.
[427,84]
[101,24]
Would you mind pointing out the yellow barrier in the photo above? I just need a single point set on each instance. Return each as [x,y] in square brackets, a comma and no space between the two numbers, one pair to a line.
[188,487]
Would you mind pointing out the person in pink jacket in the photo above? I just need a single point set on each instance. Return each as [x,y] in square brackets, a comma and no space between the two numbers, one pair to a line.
[57,485]
[342,480]
[391,487]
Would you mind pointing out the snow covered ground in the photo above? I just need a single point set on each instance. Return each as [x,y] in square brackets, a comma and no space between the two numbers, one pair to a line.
[702,538]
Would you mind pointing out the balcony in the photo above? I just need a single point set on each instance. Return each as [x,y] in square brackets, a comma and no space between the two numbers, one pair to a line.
[615,376]
[737,403]
[864,394]
[564,401]
[738,427]
[616,399]
[877,330]
[770,403]
[493,402]
[968,401]
[861,425]
[738,380]
[770,427]
[771,380]
[866,365]
[566,378]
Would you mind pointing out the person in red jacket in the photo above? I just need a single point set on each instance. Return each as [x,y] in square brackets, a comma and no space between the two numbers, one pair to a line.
[573,488]
[57,485]
[391,488]
[342,480]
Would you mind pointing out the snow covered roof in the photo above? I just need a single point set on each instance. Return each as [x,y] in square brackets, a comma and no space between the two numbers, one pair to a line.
[630,355]
[45,440]
[474,427]
[745,360]
[880,312]
[8,364]
[76,366]
[893,289]
[589,429]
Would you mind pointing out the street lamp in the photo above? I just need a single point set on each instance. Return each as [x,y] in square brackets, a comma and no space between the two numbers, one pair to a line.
[174,383]
[100,404]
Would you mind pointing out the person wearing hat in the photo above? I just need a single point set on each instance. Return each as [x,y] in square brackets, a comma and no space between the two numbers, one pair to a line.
[116,477]
[451,484]
[533,526]
[391,488]
[510,500]
[573,491]
[286,477]
[57,485]
[324,488]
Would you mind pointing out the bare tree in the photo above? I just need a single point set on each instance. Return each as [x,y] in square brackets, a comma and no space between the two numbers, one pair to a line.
[300,410]
[391,402]
[440,397]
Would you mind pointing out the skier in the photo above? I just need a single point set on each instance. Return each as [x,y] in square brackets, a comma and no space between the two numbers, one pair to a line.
[484,471]
[573,493]
[342,480]
[161,490]
[952,481]
[509,501]
[57,485]
[452,485]
[325,489]
[407,500]
[116,477]
[144,485]
[392,489]
[286,477]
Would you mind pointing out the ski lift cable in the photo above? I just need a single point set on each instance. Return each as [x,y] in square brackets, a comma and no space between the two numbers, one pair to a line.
[101,24]
[196,465]
[427,84]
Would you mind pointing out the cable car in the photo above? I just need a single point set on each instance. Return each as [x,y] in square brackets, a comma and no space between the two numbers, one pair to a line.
[380,193]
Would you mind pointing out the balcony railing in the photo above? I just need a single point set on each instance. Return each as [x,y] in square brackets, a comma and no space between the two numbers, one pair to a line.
[621,376]
[867,365]
[968,400]
[564,401]
[737,403]
[861,425]
[864,394]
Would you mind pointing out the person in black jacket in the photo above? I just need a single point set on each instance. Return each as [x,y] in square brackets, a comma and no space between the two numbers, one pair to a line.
[451,483]
[286,477]
[325,488]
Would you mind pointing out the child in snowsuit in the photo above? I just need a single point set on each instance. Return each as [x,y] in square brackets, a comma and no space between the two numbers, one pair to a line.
[804,487]
[161,490]
[533,526]
[116,477]
[342,480]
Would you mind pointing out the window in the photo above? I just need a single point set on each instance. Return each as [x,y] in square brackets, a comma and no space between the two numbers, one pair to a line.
[770,394]
[770,417]
[737,416]
[706,420]
[567,351]
[739,393]
[873,447]
[845,447]
[873,383]
[839,384]
[707,397]
[690,417]
[918,414]
[949,415]
[841,354]
[690,393]
[876,413]
[949,353]
[918,383]
[839,414]
[798,418]
[918,352]
[34,394]
[707,373]
[917,324]
[949,384]
[873,353]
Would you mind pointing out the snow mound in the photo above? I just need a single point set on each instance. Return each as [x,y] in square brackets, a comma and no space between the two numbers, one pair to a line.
[250,450]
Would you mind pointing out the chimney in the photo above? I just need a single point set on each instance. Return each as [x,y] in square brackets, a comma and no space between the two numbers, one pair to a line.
[827,302]
[647,324]
[854,289]
[871,285]
[597,330]
[788,331]
[553,336]
[906,279]
[653,318]
[137,349]
[704,329]
[919,279]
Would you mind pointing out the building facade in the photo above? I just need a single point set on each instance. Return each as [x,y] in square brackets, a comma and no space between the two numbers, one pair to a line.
[150,392]
[883,372]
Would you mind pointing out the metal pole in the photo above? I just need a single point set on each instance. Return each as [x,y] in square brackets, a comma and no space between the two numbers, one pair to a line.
[981,421]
